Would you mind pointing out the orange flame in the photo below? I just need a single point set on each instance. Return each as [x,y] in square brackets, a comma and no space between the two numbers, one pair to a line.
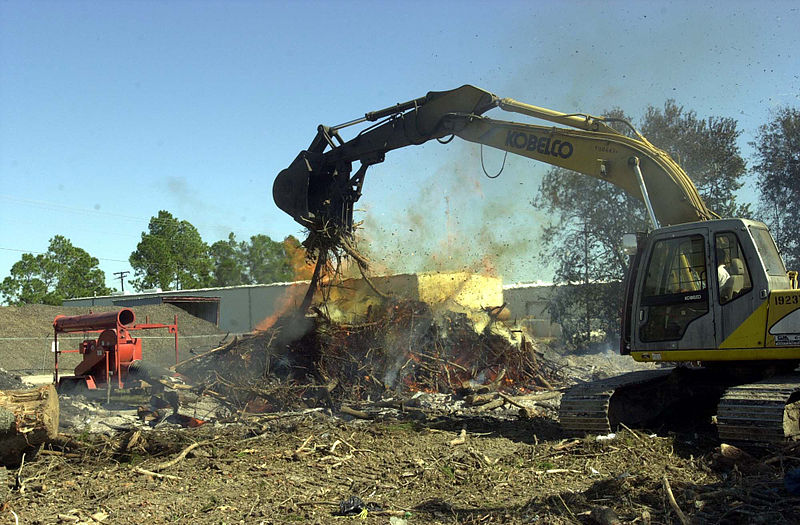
[293,296]
[288,300]
[296,254]
[417,387]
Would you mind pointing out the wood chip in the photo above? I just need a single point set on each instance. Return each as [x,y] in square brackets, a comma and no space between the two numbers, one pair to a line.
[460,440]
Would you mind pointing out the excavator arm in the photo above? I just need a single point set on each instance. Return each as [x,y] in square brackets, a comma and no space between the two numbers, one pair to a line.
[319,189]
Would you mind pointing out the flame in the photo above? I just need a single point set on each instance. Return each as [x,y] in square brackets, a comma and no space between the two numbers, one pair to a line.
[413,386]
[303,269]
[287,301]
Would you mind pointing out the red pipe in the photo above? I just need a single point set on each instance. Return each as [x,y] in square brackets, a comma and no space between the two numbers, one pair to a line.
[101,321]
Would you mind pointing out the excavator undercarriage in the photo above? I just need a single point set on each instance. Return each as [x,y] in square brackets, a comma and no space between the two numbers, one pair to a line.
[751,406]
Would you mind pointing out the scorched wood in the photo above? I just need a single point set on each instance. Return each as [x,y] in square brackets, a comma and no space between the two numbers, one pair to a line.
[28,418]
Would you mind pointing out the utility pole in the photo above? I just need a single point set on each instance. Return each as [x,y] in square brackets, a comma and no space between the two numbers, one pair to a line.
[121,276]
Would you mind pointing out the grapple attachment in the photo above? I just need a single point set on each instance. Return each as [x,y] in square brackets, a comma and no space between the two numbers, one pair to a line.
[317,188]
[290,189]
[318,198]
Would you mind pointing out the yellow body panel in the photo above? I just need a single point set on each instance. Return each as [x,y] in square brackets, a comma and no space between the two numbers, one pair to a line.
[731,354]
[783,322]
[749,334]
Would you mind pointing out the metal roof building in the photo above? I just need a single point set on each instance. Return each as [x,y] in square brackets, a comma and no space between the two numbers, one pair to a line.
[236,309]
[240,309]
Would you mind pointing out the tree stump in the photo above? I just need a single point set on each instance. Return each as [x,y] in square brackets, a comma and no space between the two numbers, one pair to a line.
[28,418]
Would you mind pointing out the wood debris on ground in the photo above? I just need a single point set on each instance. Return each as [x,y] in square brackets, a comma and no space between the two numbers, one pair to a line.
[301,468]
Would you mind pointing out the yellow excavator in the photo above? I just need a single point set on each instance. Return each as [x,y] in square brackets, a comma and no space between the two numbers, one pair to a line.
[698,289]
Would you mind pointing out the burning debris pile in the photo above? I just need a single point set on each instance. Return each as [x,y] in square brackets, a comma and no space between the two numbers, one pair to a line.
[400,347]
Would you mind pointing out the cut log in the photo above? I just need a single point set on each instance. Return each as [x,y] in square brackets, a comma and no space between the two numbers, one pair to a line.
[28,418]
[480,399]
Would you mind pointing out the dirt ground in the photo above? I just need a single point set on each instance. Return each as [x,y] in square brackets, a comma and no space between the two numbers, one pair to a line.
[442,462]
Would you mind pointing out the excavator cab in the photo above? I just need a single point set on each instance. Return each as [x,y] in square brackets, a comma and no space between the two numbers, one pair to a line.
[702,293]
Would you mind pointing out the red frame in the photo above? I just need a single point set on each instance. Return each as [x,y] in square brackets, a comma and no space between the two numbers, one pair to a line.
[112,353]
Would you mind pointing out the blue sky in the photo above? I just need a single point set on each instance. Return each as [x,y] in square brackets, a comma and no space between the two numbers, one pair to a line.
[112,111]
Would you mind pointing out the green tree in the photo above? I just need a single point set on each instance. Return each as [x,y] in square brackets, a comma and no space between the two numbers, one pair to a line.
[590,216]
[706,149]
[230,266]
[584,244]
[777,170]
[171,255]
[63,272]
[259,261]
[267,260]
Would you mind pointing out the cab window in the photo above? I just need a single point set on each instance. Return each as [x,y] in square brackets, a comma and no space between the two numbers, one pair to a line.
[733,275]
[768,251]
[675,290]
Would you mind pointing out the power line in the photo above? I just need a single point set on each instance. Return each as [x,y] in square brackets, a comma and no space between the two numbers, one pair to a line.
[57,206]
[121,276]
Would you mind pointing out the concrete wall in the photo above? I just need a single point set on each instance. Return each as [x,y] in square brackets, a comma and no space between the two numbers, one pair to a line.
[528,304]
[458,291]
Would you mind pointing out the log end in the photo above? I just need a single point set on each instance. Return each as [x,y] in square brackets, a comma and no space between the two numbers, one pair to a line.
[28,418]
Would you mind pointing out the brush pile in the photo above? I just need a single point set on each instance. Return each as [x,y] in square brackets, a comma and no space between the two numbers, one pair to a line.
[400,347]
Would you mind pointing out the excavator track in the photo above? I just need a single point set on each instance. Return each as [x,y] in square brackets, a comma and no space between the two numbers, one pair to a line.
[681,397]
[766,411]
[585,408]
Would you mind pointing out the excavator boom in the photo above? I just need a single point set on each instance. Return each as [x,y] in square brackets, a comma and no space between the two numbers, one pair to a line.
[319,189]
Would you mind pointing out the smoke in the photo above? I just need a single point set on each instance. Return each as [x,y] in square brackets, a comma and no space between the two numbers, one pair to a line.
[188,200]
[400,343]
[286,316]
[460,220]
[457,219]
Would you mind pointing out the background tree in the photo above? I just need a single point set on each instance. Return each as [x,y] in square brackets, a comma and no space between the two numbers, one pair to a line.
[63,272]
[171,255]
[228,259]
[706,149]
[259,261]
[777,171]
[584,244]
[267,261]
[590,216]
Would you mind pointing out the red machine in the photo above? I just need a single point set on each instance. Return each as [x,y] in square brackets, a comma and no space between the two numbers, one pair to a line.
[113,355]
